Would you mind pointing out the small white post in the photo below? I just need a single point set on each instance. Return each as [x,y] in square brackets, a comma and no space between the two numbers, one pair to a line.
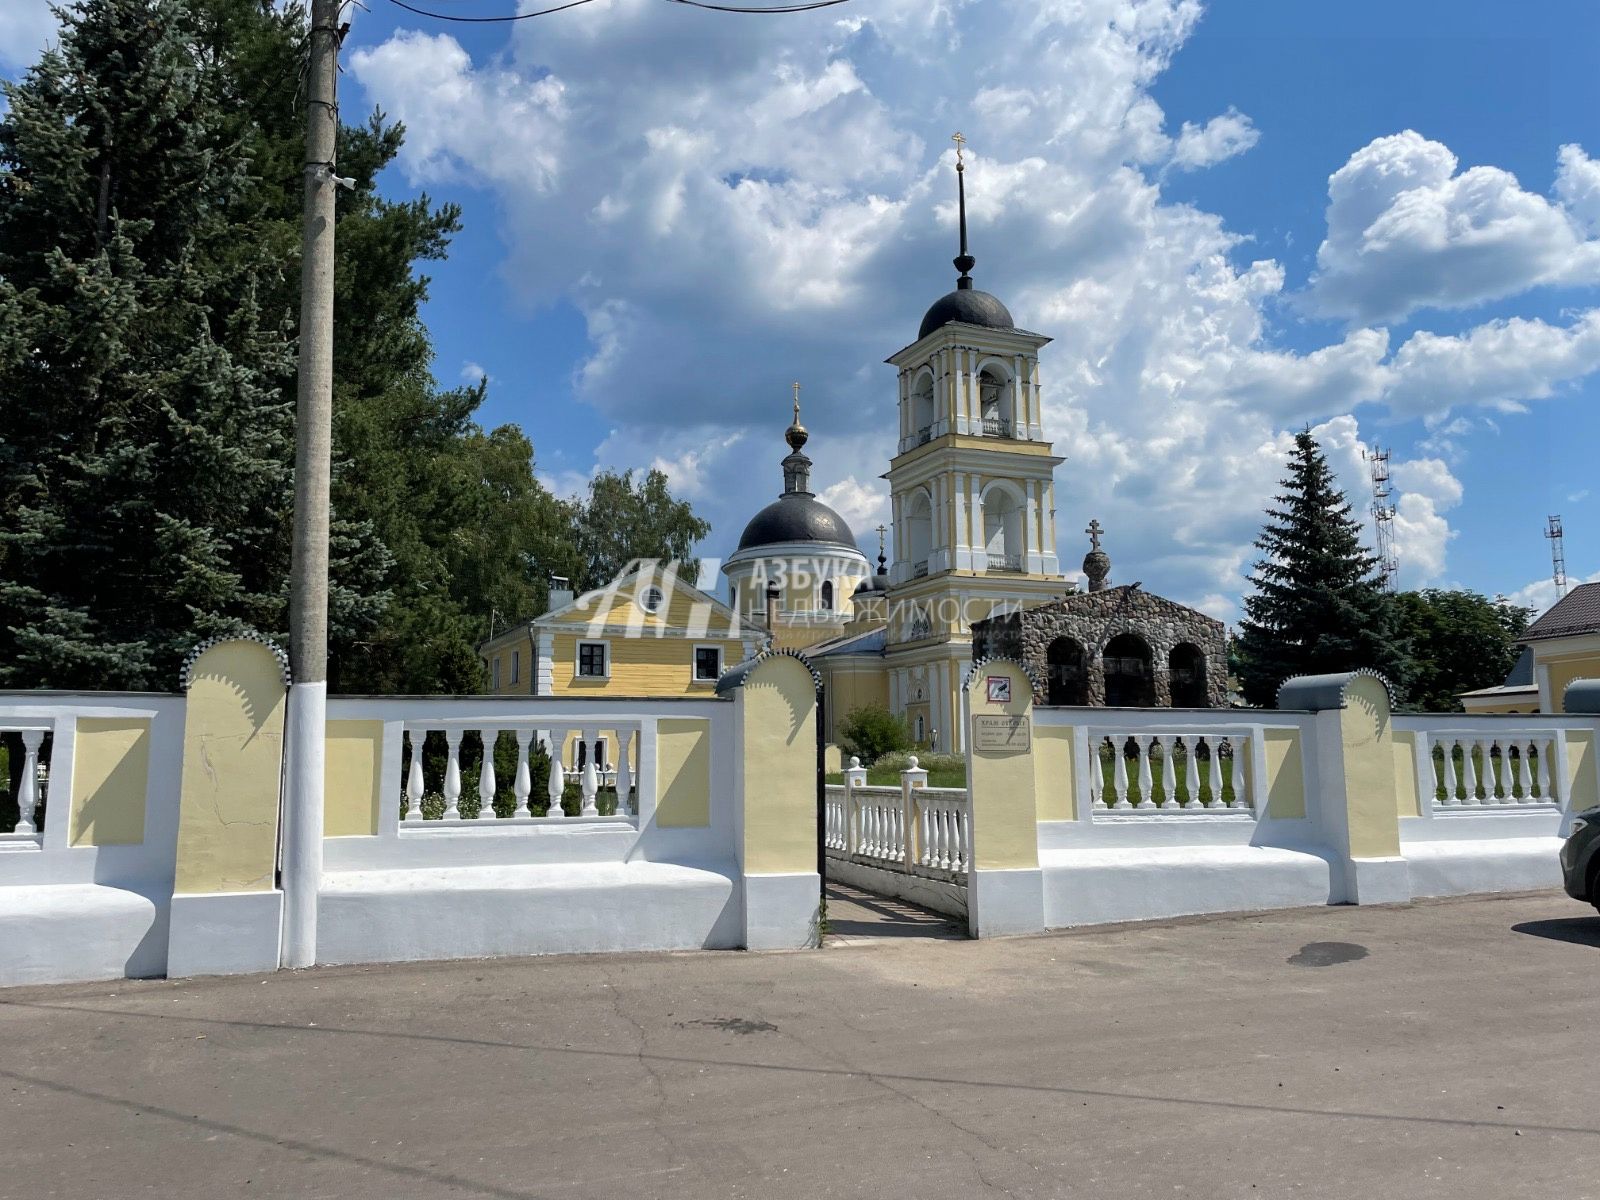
[624,775]
[486,775]
[28,785]
[855,776]
[524,784]
[416,738]
[591,774]
[558,775]
[452,775]
[912,836]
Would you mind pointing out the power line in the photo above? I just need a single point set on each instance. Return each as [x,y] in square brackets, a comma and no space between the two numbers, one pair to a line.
[776,9]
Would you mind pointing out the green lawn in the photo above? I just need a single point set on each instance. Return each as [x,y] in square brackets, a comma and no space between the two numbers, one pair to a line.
[956,778]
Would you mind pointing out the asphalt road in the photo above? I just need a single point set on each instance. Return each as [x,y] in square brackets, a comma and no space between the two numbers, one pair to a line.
[1440,1050]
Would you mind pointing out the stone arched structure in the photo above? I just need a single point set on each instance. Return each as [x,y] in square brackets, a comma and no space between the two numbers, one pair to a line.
[1173,632]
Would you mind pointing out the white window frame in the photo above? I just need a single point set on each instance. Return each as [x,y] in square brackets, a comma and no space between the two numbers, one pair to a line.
[694,662]
[494,671]
[643,593]
[516,666]
[577,658]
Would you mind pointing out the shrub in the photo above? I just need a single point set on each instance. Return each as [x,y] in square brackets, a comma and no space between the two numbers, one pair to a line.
[872,731]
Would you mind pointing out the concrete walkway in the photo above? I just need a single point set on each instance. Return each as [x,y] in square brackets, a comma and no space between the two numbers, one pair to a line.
[856,916]
[1444,1050]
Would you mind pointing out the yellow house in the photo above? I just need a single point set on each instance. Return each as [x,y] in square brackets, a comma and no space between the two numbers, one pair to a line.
[647,634]
[1562,645]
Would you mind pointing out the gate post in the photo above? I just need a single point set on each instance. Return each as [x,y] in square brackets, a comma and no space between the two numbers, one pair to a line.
[911,845]
[227,911]
[775,803]
[1355,797]
[855,776]
[1005,887]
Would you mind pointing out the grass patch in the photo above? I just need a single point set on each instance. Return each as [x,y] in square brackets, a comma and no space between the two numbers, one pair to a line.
[890,777]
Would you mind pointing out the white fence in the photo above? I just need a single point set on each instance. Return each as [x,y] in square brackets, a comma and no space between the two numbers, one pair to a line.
[1186,772]
[83,895]
[912,828]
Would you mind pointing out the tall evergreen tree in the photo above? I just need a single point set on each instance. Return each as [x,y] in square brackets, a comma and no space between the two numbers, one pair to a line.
[147,442]
[150,193]
[1319,604]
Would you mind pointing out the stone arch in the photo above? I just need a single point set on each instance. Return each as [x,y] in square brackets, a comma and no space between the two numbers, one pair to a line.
[1129,666]
[827,595]
[1067,672]
[996,398]
[1187,676]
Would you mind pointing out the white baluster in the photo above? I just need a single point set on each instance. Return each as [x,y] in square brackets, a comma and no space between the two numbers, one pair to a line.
[1214,772]
[1469,772]
[1167,793]
[1449,748]
[1241,796]
[1119,774]
[486,775]
[1520,791]
[1552,783]
[28,785]
[416,737]
[524,784]
[591,775]
[624,774]
[1146,799]
[452,775]
[558,774]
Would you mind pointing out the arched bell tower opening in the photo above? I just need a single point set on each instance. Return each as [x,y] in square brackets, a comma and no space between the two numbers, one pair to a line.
[1004,539]
[996,413]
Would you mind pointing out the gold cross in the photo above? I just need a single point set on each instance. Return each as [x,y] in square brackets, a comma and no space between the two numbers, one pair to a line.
[960,144]
[797,402]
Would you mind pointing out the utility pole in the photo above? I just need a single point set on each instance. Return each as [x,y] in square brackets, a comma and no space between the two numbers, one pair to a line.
[308,603]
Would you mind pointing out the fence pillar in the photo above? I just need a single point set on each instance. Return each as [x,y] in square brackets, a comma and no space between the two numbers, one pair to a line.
[1355,801]
[911,844]
[855,776]
[775,801]
[1005,887]
[227,912]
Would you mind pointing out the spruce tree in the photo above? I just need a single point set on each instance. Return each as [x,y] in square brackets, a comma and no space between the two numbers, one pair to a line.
[1319,604]
[147,434]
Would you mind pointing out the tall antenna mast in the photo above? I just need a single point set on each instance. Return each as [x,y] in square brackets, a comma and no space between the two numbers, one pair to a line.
[1377,460]
[1558,554]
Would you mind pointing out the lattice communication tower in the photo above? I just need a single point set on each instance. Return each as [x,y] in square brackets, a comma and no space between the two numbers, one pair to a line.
[1558,553]
[1377,460]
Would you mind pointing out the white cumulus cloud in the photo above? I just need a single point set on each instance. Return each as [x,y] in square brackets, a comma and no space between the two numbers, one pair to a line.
[1406,230]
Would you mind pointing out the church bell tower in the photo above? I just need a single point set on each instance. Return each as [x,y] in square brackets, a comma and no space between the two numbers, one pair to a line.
[972,484]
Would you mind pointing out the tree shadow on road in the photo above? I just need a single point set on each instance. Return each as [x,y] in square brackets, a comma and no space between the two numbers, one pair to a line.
[1580,931]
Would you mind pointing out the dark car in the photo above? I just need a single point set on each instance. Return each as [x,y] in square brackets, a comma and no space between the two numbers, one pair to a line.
[1580,858]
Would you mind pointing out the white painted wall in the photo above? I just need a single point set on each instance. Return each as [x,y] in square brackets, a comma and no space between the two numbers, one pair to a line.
[70,913]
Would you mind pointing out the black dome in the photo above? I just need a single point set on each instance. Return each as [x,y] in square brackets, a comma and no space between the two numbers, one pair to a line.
[970,307]
[872,584]
[796,517]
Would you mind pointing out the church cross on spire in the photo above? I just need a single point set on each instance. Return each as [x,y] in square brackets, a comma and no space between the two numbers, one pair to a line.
[964,262]
[797,402]
[1094,531]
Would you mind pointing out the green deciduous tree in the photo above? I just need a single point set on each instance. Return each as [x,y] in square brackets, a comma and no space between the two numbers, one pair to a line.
[621,520]
[1459,641]
[872,731]
[1318,604]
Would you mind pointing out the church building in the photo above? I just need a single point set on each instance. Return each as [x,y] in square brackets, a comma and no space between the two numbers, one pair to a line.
[973,569]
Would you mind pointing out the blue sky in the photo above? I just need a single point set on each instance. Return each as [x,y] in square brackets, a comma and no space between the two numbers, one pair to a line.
[1235,218]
